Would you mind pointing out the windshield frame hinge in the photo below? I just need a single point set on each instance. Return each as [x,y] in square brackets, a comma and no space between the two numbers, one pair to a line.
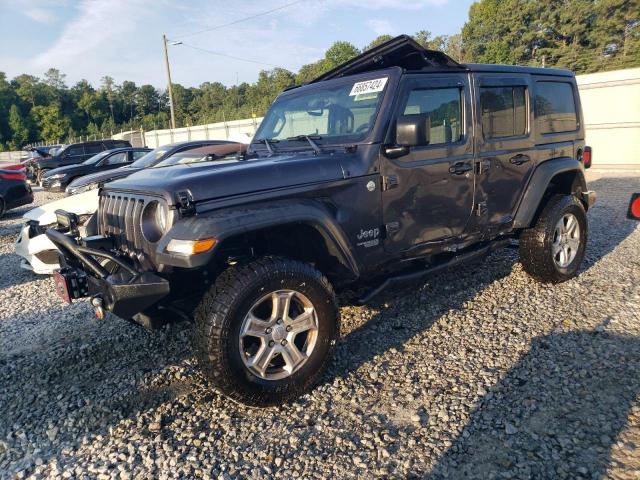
[184,203]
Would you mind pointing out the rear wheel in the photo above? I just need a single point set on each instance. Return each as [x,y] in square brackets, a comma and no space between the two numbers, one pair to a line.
[265,330]
[553,249]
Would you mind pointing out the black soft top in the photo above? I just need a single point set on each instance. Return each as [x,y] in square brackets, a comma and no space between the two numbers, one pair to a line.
[404,52]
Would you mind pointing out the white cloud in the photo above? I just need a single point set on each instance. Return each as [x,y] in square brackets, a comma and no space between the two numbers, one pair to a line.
[380,27]
[100,23]
[40,15]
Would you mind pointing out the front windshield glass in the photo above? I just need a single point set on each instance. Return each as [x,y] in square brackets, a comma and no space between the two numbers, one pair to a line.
[335,113]
[96,158]
[182,158]
[149,159]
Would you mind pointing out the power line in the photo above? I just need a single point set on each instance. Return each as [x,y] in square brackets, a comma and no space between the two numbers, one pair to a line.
[244,19]
[220,54]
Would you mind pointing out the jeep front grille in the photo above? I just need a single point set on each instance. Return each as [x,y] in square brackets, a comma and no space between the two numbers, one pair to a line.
[119,217]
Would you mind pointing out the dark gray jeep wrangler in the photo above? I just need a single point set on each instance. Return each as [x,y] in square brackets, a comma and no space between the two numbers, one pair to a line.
[397,164]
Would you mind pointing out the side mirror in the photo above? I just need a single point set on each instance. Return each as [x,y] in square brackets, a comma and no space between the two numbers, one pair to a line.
[413,130]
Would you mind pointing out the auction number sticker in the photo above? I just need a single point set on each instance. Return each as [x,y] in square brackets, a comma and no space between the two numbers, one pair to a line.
[368,86]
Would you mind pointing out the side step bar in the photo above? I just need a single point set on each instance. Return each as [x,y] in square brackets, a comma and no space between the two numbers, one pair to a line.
[434,269]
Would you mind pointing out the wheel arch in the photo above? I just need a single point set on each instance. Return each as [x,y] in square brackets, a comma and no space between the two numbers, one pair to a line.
[558,176]
[302,230]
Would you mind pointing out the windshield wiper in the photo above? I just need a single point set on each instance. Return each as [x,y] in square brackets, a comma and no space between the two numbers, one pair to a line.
[310,139]
[267,143]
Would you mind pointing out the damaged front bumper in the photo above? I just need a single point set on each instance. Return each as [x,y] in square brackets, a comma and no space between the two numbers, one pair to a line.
[83,274]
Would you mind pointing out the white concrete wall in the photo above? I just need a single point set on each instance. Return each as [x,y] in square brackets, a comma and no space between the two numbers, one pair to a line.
[611,109]
[236,130]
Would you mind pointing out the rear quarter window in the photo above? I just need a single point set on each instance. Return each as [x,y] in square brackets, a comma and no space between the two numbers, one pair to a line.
[555,107]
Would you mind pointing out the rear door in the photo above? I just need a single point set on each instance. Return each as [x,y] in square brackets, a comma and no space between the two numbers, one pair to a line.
[506,154]
[90,149]
[428,193]
[74,155]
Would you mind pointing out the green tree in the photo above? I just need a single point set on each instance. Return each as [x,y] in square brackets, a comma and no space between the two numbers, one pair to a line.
[377,41]
[19,127]
[52,125]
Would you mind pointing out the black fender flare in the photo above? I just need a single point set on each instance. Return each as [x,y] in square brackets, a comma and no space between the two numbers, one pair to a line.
[229,222]
[537,186]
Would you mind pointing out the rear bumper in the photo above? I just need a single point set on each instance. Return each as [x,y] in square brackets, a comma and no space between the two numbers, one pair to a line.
[589,198]
[24,197]
[123,293]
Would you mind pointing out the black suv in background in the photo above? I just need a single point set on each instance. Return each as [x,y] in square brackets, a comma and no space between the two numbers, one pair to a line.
[395,165]
[71,155]
[57,179]
[153,157]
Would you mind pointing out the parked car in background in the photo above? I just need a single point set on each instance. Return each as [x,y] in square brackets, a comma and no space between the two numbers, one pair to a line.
[57,179]
[40,255]
[14,189]
[89,182]
[72,155]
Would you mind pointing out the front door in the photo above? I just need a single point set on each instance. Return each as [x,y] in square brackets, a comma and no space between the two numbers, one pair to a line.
[428,192]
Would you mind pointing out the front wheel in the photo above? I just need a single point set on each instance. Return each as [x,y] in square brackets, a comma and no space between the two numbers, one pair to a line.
[265,331]
[552,250]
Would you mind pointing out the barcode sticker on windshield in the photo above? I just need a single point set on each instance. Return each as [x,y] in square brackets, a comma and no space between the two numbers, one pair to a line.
[369,86]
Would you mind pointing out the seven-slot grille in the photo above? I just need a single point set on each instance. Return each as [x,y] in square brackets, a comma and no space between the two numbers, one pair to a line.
[119,216]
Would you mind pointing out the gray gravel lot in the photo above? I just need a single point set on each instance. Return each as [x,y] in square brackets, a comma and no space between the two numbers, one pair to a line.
[477,373]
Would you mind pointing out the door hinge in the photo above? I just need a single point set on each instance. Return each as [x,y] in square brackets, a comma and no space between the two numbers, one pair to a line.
[481,209]
[389,182]
[392,228]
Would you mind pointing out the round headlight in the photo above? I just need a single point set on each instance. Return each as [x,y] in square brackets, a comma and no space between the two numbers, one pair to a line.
[154,221]
[162,216]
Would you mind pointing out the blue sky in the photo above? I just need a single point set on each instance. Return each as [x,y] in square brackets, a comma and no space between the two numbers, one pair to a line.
[122,38]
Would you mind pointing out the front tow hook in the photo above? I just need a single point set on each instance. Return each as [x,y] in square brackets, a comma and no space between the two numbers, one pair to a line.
[97,306]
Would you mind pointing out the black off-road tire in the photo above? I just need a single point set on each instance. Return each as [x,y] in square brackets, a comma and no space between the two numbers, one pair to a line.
[1,207]
[536,242]
[219,317]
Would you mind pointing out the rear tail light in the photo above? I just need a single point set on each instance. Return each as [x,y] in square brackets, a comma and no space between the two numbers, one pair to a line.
[634,207]
[12,175]
[586,157]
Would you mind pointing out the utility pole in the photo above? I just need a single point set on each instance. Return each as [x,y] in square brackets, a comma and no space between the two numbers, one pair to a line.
[166,63]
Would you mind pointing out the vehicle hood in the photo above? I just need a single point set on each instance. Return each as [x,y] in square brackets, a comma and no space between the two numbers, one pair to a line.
[69,169]
[103,177]
[82,204]
[224,178]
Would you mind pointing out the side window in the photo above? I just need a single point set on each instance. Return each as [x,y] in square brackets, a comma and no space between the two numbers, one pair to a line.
[137,155]
[444,107]
[118,158]
[504,111]
[93,148]
[555,107]
[75,151]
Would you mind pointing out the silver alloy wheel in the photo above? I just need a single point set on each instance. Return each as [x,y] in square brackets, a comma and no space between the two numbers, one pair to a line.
[278,334]
[566,240]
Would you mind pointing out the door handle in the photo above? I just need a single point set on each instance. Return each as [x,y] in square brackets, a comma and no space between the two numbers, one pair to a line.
[459,168]
[519,159]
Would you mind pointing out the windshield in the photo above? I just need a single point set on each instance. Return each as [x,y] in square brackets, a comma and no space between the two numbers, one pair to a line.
[334,113]
[96,158]
[149,159]
[183,158]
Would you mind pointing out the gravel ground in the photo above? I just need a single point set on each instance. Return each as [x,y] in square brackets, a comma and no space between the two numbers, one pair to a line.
[478,373]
